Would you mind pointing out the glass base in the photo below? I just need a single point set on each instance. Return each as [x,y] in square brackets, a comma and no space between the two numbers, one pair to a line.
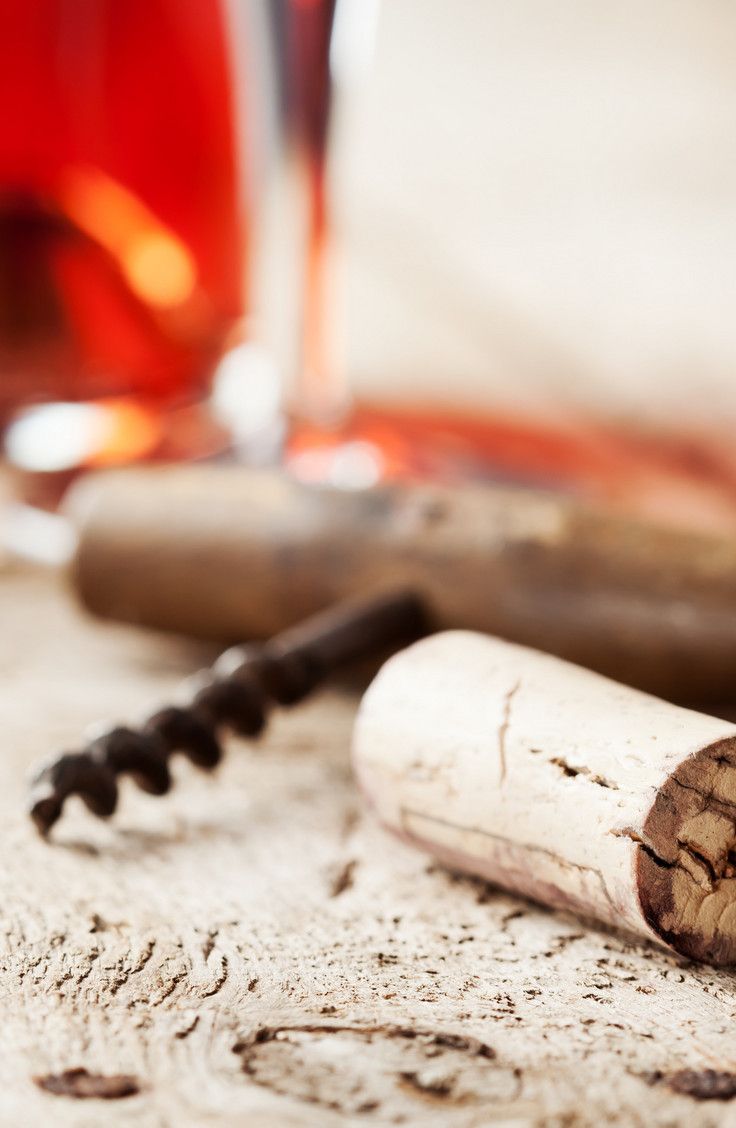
[683,480]
[47,446]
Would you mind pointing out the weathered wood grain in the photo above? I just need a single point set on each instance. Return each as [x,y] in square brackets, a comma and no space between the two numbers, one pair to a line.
[254,950]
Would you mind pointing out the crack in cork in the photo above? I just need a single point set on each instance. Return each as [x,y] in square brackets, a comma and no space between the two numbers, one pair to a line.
[572,770]
[453,856]
[712,877]
[503,729]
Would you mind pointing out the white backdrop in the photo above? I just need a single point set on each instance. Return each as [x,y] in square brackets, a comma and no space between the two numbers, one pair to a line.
[539,207]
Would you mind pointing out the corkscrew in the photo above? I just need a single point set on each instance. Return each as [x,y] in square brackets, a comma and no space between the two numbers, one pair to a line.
[235,694]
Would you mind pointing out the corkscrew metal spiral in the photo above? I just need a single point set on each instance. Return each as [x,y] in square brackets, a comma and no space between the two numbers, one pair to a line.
[236,693]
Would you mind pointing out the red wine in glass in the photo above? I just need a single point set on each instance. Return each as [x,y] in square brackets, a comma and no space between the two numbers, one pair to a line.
[126,201]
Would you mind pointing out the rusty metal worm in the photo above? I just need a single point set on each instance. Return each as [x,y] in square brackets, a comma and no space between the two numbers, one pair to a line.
[236,693]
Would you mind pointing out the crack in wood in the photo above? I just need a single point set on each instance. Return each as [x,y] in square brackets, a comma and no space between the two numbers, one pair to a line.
[81,1084]
[187,1030]
[209,943]
[700,1084]
[91,957]
[343,879]
[437,1088]
[176,979]
[124,974]
[219,982]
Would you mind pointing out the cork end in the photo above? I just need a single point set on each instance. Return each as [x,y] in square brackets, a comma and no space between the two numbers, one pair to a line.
[686,861]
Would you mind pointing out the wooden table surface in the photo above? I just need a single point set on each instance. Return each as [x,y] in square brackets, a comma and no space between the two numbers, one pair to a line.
[254,950]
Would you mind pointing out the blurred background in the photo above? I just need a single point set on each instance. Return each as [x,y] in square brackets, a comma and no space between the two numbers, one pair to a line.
[541,199]
[373,240]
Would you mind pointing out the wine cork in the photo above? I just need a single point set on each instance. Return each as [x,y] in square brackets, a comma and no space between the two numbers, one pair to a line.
[558,784]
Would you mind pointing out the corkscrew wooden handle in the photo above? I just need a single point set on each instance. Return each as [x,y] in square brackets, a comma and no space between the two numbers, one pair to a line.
[227,554]
[236,693]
